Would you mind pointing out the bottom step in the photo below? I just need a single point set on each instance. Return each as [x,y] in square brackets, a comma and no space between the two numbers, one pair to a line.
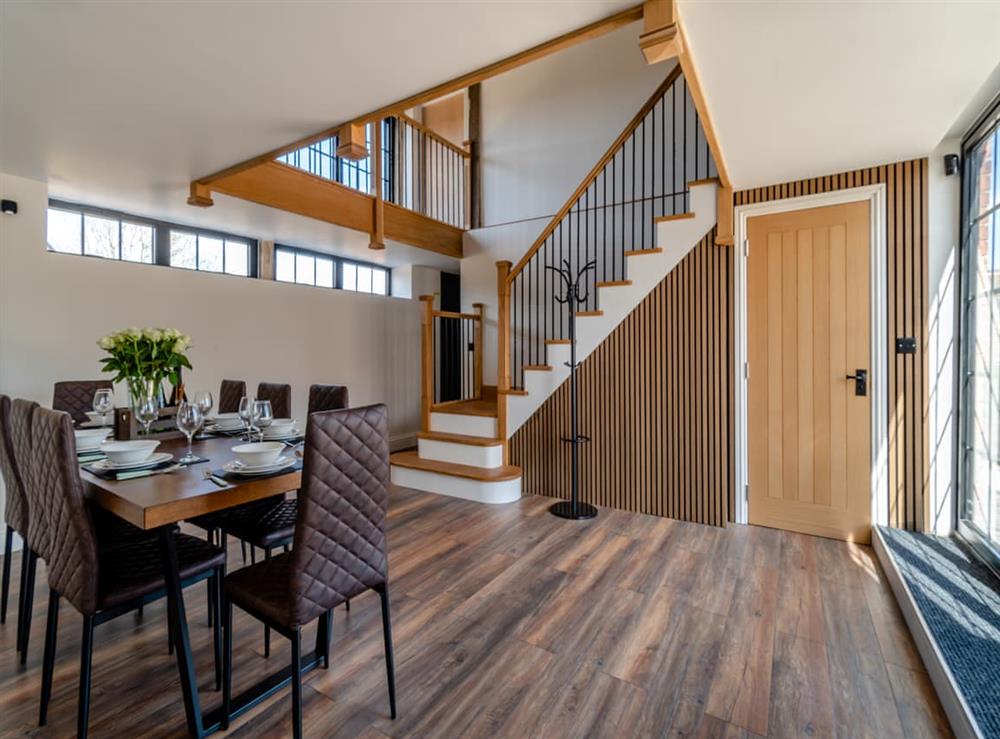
[497,485]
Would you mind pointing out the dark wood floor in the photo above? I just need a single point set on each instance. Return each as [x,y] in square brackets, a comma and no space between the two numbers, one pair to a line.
[509,622]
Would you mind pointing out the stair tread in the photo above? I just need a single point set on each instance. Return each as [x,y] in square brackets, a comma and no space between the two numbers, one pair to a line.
[538,367]
[487,408]
[585,313]
[614,283]
[411,460]
[637,252]
[458,438]
[675,217]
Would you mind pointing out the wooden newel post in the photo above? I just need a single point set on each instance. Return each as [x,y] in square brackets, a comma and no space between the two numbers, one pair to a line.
[503,353]
[477,351]
[427,361]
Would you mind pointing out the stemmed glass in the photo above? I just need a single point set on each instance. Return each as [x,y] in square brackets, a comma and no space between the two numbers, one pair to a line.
[146,410]
[189,418]
[246,414]
[263,415]
[104,403]
[204,402]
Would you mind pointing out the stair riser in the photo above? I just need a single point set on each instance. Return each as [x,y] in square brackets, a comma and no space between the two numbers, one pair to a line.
[455,423]
[487,457]
[506,491]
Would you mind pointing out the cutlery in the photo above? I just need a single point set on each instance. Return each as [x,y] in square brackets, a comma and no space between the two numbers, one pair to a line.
[217,480]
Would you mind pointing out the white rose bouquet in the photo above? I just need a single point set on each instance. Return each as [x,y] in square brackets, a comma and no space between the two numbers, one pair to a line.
[143,358]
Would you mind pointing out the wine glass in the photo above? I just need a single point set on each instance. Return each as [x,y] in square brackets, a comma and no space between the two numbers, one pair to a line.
[246,414]
[146,411]
[104,402]
[263,415]
[189,418]
[203,400]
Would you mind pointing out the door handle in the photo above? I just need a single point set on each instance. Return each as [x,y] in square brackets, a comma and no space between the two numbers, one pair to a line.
[860,378]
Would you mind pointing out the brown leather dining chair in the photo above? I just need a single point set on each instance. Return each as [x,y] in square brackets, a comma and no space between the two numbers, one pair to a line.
[15,517]
[21,415]
[102,580]
[272,527]
[230,392]
[280,396]
[76,397]
[340,546]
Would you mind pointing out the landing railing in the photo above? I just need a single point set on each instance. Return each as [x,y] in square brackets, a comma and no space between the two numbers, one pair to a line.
[421,170]
[452,356]
[642,177]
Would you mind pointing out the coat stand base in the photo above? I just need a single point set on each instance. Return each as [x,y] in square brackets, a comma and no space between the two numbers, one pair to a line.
[576,511]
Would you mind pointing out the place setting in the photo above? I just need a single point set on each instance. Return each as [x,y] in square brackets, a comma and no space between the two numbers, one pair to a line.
[259,459]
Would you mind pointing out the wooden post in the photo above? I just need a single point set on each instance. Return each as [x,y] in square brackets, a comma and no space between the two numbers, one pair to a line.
[265,260]
[503,353]
[659,40]
[427,361]
[378,228]
[477,351]
[724,216]
[475,171]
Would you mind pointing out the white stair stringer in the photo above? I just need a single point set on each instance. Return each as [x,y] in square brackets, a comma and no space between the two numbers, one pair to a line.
[676,238]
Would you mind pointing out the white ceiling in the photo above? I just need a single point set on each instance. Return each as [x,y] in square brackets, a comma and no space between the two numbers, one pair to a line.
[798,89]
[122,104]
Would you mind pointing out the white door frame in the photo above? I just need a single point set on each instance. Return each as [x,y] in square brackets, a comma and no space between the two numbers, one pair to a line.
[875,195]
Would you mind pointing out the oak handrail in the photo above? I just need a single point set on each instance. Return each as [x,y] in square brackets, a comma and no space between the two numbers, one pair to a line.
[453,314]
[414,123]
[595,171]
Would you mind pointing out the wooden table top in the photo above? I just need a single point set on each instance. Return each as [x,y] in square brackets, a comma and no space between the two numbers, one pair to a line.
[149,502]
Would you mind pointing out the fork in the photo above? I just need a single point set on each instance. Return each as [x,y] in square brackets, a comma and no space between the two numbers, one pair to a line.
[217,480]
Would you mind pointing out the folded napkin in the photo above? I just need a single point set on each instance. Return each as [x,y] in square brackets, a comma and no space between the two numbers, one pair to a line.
[133,474]
[85,457]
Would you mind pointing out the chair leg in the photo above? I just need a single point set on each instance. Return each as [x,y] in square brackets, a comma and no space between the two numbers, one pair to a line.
[227,659]
[327,638]
[243,547]
[220,574]
[267,629]
[21,595]
[390,671]
[287,550]
[297,684]
[28,605]
[48,662]
[86,653]
[8,547]
[347,605]
[210,590]
[170,635]
[253,554]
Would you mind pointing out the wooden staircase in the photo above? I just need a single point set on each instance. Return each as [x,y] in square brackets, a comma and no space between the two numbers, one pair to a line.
[463,448]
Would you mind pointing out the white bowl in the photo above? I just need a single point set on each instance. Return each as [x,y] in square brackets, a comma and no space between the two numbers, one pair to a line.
[129,452]
[105,418]
[91,437]
[281,424]
[259,453]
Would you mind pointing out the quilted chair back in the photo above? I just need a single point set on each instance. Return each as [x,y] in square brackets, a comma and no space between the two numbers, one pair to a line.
[56,506]
[340,548]
[76,397]
[280,397]
[15,510]
[229,395]
[22,413]
[327,398]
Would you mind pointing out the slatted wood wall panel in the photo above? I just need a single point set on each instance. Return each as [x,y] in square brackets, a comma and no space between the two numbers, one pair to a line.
[906,244]
[656,398]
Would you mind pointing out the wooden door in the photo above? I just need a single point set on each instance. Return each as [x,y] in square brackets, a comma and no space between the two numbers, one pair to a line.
[808,328]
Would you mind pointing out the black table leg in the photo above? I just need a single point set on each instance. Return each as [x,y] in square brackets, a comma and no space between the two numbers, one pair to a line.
[175,609]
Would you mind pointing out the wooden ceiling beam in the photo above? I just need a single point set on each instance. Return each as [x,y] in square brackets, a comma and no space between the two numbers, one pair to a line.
[591,31]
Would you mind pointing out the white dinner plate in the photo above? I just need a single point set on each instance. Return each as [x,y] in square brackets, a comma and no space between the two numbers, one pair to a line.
[237,468]
[157,458]
[291,434]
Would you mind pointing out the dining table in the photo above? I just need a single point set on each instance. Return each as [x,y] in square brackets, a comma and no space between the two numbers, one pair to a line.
[159,502]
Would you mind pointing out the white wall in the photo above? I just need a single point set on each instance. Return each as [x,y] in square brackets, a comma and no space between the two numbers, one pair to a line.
[545,125]
[54,307]
[942,283]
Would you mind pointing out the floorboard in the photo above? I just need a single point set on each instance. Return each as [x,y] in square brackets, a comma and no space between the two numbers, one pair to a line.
[509,622]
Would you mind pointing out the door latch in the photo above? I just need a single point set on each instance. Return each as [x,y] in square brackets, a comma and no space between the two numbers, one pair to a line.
[860,378]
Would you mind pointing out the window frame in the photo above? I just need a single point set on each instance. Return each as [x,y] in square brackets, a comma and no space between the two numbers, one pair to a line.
[987,125]
[161,238]
[338,269]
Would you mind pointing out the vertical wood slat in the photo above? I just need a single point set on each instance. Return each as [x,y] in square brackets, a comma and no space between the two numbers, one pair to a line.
[906,264]
[656,400]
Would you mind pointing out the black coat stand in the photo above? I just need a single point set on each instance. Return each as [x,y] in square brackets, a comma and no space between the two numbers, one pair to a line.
[572,298]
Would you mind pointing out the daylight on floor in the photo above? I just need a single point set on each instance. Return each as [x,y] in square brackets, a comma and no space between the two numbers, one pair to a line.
[547,369]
